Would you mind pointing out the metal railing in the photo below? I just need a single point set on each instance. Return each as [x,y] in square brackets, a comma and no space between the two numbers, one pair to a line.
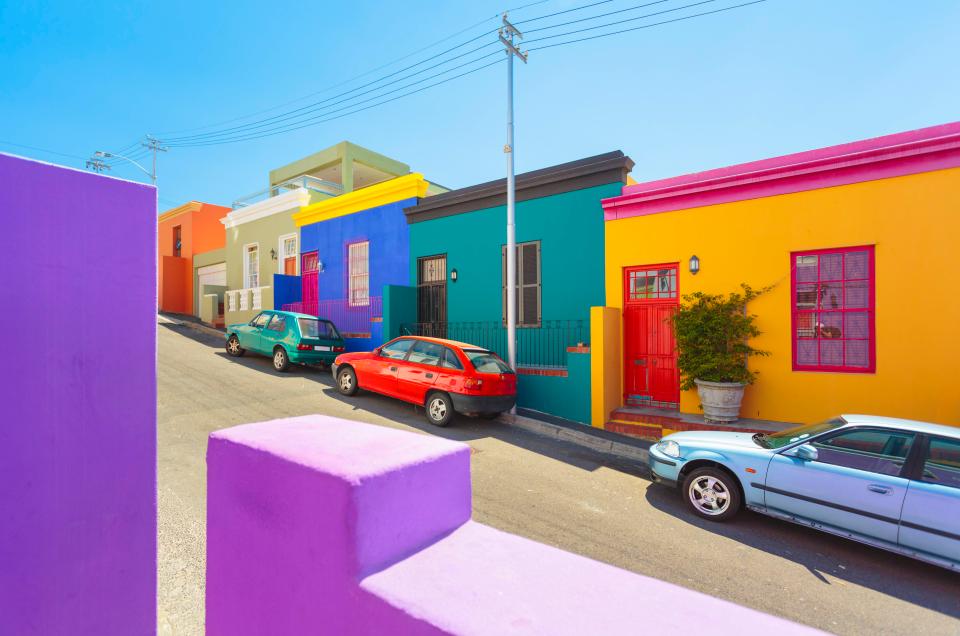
[352,320]
[537,347]
[305,182]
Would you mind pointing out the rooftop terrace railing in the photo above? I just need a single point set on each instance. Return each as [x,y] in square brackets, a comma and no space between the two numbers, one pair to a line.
[305,182]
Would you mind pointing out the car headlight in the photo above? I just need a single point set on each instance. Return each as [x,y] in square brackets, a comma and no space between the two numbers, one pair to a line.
[669,448]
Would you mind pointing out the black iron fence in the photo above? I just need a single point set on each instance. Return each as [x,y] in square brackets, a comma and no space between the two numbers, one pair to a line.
[544,347]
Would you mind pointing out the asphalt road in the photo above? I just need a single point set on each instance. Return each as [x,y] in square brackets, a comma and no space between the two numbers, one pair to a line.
[550,491]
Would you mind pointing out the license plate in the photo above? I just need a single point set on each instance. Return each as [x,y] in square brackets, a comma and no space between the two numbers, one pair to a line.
[322,348]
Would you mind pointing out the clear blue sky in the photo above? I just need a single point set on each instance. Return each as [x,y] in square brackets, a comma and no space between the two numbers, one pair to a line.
[769,79]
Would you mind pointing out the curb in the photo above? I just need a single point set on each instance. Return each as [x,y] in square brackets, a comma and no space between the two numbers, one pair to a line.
[212,331]
[580,438]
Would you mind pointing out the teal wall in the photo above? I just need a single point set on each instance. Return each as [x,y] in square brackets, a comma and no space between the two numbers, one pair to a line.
[570,229]
[399,308]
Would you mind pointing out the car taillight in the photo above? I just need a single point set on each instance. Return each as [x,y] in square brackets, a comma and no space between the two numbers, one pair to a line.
[339,349]
[304,347]
[473,383]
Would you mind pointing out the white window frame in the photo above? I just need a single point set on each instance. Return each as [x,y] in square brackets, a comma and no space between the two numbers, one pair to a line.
[282,255]
[246,265]
[352,276]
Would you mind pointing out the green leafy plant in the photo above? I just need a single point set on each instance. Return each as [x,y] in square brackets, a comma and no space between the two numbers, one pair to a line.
[713,333]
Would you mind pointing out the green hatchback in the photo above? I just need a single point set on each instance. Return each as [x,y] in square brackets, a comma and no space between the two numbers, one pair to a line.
[287,337]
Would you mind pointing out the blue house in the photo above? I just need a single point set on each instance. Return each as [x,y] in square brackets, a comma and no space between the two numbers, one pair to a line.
[351,247]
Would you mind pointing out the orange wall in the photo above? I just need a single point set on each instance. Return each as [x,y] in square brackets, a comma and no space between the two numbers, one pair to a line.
[201,231]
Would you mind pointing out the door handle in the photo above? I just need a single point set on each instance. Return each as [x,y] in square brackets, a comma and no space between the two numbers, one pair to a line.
[429,375]
[882,490]
[393,368]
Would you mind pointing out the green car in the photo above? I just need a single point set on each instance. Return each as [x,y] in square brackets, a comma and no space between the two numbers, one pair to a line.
[287,337]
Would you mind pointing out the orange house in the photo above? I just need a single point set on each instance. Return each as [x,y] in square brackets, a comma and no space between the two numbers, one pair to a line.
[192,228]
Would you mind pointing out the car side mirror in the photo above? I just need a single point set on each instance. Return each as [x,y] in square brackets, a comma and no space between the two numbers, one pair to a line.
[806,452]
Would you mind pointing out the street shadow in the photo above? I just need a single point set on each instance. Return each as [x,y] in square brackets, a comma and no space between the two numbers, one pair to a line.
[461,429]
[823,554]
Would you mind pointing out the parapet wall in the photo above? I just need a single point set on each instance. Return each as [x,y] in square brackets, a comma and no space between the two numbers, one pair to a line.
[320,525]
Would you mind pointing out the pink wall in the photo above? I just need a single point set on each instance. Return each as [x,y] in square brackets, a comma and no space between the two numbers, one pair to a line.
[321,525]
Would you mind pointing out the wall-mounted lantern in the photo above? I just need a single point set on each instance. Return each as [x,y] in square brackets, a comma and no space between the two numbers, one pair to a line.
[320,266]
[694,264]
[453,274]
[273,254]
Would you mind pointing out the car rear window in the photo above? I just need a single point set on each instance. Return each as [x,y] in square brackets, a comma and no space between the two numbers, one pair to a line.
[313,328]
[486,361]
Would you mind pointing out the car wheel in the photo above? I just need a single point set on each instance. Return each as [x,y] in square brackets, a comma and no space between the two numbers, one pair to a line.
[712,493]
[347,381]
[233,347]
[489,416]
[280,360]
[439,409]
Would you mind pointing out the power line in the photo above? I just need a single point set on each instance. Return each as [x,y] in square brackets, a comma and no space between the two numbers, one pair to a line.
[645,26]
[50,152]
[597,17]
[550,15]
[366,73]
[392,99]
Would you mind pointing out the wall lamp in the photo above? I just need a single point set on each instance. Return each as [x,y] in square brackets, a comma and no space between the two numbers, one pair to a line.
[694,264]
[453,274]
[273,254]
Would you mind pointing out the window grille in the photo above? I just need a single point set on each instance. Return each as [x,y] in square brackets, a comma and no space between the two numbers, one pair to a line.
[833,310]
[358,272]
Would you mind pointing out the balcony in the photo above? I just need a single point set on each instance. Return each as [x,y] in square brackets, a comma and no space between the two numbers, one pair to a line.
[318,189]
[250,298]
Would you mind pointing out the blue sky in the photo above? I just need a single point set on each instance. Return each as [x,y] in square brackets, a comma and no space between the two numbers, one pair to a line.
[768,79]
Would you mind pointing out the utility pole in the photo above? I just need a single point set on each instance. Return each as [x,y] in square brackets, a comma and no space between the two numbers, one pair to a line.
[154,146]
[95,164]
[507,34]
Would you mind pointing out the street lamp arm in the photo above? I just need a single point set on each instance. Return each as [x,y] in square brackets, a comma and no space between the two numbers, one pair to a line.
[111,155]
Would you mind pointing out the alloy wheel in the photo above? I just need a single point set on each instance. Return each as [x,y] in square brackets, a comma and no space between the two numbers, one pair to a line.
[234,345]
[438,409]
[346,381]
[709,495]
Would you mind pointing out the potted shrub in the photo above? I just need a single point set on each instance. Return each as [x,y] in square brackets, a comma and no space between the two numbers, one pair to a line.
[713,333]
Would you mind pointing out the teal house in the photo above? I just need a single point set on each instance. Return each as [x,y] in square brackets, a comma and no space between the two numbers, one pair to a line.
[458,282]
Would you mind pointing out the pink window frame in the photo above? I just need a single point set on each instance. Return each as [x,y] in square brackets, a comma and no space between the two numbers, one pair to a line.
[870,310]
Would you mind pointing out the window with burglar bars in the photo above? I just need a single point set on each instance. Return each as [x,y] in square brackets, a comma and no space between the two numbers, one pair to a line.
[528,283]
[833,310]
[358,273]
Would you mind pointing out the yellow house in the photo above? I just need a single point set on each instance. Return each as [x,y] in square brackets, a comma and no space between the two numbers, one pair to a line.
[860,244]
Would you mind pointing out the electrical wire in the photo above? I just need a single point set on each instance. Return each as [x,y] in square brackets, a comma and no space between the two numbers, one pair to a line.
[595,17]
[392,99]
[49,152]
[645,26]
[550,15]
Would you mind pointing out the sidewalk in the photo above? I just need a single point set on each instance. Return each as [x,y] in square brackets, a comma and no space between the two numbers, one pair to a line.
[189,321]
[597,439]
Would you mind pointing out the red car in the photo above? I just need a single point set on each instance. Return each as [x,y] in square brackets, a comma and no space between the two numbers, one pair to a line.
[443,376]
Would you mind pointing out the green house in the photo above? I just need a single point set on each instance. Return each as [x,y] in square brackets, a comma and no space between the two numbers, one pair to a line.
[457,274]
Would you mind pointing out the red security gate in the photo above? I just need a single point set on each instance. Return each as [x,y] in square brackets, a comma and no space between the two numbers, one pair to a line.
[309,282]
[651,377]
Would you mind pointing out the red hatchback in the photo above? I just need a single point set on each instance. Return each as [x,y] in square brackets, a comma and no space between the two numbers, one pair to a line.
[443,376]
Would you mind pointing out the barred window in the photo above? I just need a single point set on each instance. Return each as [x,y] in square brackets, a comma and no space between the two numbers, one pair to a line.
[528,284]
[833,310]
[358,272]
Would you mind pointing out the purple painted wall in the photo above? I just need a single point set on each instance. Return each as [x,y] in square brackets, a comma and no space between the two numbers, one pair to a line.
[321,525]
[77,402]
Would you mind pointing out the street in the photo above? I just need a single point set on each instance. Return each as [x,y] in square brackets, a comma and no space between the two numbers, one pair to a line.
[549,491]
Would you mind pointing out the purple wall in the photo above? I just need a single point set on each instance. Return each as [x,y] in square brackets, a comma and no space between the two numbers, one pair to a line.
[77,402]
[317,525]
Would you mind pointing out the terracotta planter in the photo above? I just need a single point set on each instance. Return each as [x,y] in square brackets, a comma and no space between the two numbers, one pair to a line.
[720,400]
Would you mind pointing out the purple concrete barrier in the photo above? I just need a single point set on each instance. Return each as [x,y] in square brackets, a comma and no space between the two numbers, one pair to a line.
[78,402]
[323,526]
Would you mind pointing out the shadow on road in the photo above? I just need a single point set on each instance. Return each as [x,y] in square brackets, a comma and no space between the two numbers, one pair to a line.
[824,554]
[462,429]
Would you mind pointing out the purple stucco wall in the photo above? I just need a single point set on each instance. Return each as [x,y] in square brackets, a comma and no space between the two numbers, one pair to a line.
[317,525]
[77,402]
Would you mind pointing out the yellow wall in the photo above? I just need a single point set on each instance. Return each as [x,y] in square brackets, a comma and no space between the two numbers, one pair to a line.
[914,222]
[606,361]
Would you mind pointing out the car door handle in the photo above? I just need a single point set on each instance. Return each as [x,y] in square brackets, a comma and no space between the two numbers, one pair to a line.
[877,488]
[393,368]
[429,375]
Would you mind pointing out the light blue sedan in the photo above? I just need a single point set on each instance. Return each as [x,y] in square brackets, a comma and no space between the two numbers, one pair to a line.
[889,483]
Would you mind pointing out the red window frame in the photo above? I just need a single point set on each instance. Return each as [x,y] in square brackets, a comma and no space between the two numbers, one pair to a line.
[799,317]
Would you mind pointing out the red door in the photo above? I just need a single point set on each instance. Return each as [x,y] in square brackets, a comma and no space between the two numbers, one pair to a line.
[309,282]
[651,377]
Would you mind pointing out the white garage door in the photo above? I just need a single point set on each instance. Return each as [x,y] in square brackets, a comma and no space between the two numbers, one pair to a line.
[209,275]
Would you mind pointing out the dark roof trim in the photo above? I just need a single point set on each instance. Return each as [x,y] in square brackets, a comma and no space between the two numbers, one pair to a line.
[611,167]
